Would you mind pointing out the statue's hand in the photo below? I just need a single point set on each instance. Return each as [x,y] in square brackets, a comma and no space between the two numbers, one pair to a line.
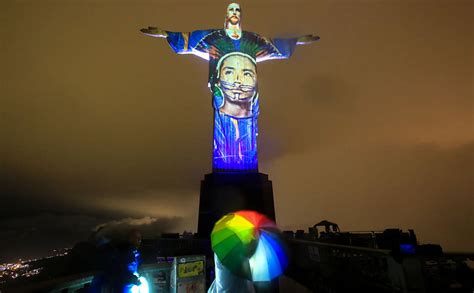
[154,32]
[307,39]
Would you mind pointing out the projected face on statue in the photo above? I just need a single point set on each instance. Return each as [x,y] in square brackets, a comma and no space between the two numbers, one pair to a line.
[233,14]
[238,82]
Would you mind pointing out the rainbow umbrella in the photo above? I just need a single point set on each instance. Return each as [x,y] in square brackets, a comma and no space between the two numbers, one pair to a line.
[248,244]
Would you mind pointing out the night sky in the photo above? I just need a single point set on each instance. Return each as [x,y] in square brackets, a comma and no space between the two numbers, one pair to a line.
[371,127]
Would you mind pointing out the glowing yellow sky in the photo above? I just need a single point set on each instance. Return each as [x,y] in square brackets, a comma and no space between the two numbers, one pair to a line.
[370,128]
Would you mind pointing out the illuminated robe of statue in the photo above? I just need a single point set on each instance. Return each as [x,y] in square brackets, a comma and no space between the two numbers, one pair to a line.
[235,137]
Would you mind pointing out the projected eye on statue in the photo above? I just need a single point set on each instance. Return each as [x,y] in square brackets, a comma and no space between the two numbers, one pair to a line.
[233,55]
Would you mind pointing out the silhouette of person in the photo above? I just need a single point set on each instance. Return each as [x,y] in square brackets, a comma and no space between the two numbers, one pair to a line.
[127,263]
[120,267]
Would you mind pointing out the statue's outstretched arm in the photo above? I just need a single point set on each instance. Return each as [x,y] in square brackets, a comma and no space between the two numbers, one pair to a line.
[307,39]
[154,32]
[282,48]
[183,42]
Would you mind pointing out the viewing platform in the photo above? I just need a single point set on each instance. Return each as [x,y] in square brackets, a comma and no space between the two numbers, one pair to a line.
[321,260]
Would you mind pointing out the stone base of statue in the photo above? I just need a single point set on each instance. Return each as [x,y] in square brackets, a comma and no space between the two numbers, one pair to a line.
[222,193]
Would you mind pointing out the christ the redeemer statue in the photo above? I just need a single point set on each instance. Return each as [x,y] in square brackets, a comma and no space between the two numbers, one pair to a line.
[233,55]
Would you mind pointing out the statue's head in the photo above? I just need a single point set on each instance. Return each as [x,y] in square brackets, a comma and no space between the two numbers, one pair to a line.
[233,15]
[237,78]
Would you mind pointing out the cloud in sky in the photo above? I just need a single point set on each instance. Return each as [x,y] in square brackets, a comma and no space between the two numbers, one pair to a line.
[149,227]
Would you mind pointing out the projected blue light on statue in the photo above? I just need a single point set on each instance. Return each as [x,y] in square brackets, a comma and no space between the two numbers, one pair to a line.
[233,55]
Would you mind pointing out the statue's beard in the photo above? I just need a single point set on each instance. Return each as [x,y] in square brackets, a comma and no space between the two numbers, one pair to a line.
[233,21]
[238,92]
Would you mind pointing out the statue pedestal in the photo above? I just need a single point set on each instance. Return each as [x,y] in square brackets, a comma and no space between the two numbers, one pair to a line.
[222,193]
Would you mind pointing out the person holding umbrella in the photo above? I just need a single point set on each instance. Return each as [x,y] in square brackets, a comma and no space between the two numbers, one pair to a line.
[247,249]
